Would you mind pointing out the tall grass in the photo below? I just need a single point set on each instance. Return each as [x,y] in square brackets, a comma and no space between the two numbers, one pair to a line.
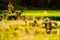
[13,30]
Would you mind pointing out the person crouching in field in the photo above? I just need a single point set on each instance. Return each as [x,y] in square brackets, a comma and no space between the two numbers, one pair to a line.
[17,14]
[48,24]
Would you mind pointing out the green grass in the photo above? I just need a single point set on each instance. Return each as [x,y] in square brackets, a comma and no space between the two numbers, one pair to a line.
[41,13]
[8,32]
[38,13]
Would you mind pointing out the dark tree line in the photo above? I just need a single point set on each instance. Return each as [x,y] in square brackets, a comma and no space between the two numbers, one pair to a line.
[39,4]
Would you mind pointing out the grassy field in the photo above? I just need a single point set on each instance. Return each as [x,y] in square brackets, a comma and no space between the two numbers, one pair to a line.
[38,13]
[41,13]
[15,30]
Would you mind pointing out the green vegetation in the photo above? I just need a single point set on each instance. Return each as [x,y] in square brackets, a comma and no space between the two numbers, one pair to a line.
[38,13]
[41,13]
[11,30]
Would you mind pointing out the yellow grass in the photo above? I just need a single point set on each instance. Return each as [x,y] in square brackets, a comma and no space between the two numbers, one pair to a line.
[15,31]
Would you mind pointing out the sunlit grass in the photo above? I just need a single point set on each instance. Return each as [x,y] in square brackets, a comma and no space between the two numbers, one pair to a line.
[15,31]
[38,13]
[41,13]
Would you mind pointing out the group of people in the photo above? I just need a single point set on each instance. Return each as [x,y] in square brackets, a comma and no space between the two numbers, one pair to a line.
[46,21]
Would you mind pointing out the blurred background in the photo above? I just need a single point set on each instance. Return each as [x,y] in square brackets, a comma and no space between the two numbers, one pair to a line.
[23,19]
[31,4]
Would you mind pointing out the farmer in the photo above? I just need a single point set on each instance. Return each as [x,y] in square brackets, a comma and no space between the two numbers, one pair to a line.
[48,24]
[17,14]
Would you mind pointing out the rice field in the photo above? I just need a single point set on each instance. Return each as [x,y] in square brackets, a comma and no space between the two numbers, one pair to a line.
[41,13]
[17,30]
[38,13]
